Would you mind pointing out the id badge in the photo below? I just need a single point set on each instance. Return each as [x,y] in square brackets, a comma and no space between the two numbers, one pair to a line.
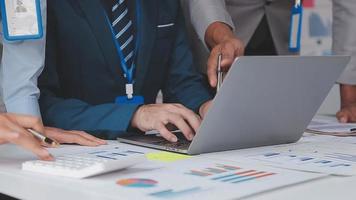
[138,100]
[21,19]
[295,28]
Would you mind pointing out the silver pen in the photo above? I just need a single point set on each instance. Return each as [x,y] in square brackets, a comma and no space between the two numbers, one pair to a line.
[44,138]
[220,73]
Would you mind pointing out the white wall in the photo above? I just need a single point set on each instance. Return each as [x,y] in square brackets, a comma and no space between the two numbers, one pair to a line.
[332,103]
[316,40]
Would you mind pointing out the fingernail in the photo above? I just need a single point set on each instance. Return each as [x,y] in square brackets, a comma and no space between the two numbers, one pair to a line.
[343,120]
[49,158]
[190,137]
[174,139]
[212,84]
[95,144]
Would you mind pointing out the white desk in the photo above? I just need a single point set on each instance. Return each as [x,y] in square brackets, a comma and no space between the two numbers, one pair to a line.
[24,185]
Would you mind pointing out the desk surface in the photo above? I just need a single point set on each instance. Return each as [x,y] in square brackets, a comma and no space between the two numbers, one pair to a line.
[24,185]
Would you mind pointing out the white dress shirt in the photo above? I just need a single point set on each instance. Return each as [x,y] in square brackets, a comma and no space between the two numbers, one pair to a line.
[21,64]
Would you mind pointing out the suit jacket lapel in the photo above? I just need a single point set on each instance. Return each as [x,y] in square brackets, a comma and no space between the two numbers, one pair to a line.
[147,34]
[95,14]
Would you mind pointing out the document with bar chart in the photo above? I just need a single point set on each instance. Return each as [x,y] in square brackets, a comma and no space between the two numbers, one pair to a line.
[209,179]
[321,157]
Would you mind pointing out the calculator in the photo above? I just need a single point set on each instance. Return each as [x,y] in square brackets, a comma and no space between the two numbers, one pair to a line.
[86,164]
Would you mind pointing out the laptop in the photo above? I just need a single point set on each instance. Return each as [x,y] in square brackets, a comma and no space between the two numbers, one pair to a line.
[264,100]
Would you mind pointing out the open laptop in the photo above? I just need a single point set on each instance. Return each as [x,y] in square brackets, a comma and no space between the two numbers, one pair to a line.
[263,101]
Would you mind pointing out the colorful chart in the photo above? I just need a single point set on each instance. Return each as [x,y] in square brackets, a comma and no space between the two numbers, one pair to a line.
[218,169]
[137,183]
[230,174]
[246,175]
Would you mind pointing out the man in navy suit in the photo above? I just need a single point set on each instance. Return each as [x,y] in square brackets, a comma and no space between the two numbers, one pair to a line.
[92,46]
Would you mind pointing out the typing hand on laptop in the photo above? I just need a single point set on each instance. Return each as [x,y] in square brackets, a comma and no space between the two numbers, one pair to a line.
[158,116]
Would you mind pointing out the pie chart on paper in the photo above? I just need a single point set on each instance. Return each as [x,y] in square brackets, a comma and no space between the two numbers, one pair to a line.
[137,183]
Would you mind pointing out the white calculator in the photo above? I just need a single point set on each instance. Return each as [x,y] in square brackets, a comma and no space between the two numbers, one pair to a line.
[86,164]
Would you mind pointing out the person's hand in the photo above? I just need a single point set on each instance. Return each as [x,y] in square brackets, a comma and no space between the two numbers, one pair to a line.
[347,112]
[159,116]
[73,137]
[220,38]
[13,130]
[204,108]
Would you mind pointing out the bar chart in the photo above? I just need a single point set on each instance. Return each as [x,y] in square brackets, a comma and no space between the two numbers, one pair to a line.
[217,169]
[229,174]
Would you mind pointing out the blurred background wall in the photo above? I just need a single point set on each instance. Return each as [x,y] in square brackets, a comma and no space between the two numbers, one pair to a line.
[316,40]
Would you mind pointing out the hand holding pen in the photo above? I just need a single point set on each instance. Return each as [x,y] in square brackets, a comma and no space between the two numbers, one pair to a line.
[46,140]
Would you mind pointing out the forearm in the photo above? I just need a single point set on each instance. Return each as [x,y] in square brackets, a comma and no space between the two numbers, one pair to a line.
[347,94]
[74,114]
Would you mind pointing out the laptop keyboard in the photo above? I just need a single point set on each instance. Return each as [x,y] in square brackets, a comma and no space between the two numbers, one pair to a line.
[181,144]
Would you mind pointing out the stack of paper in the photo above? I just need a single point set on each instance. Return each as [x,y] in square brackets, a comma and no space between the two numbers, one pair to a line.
[330,126]
[332,158]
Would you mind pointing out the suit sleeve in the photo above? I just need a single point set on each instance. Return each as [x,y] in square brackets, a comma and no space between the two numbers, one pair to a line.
[75,114]
[185,85]
[344,40]
[205,12]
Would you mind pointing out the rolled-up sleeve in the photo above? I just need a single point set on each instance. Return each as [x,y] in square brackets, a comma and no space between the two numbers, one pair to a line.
[21,64]
[205,12]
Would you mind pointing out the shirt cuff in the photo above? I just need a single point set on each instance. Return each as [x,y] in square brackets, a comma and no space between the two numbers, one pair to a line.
[26,106]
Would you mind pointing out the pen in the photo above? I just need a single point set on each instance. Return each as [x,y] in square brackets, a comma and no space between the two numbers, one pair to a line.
[220,73]
[44,138]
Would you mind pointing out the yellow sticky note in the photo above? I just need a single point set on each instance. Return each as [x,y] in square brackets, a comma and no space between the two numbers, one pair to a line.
[164,156]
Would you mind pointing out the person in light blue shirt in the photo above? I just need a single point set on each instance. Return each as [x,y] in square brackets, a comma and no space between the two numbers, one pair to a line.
[21,64]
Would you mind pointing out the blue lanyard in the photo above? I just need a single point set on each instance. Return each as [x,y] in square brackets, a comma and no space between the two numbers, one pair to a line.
[295,32]
[128,72]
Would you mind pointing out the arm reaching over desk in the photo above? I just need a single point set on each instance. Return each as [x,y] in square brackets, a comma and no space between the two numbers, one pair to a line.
[347,112]
[13,129]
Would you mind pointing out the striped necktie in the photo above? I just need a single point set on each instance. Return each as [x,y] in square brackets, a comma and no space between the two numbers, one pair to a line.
[123,29]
